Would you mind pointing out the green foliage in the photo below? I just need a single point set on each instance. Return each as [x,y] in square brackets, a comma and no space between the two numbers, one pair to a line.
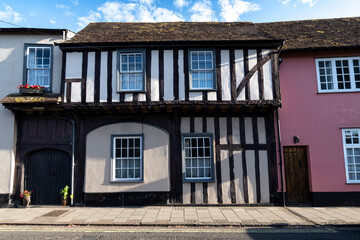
[65,192]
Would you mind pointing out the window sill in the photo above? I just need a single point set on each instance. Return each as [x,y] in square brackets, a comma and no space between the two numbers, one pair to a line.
[202,90]
[198,180]
[132,91]
[127,181]
[355,91]
[352,183]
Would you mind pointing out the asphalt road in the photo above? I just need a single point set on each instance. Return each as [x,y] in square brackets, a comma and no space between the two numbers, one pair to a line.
[159,233]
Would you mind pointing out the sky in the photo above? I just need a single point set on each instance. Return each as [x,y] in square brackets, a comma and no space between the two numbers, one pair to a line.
[76,14]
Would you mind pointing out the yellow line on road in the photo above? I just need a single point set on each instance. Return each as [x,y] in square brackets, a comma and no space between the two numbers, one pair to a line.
[164,230]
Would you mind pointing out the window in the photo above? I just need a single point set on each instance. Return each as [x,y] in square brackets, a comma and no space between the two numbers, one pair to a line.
[198,160]
[127,164]
[131,71]
[38,62]
[338,74]
[202,72]
[352,154]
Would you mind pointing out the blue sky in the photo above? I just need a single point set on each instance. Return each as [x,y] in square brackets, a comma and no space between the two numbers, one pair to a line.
[76,14]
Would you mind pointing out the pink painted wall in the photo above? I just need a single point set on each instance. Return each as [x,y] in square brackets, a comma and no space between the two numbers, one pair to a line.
[317,118]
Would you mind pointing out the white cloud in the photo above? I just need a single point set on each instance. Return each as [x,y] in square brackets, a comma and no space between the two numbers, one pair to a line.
[61,6]
[135,11]
[165,15]
[181,3]
[232,9]
[310,2]
[10,15]
[75,2]
[92,17]
[202,12]
[52,21]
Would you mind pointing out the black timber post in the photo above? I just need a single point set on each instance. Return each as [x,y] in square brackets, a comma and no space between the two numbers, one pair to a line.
[175,160]
[79,167]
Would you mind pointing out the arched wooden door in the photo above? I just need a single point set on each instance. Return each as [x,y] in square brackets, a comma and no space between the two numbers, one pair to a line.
[46,172]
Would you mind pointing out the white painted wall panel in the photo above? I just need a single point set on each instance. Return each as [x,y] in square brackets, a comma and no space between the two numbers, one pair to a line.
[142,97]
[155,94]
[236,130]
[239,71]
[225,176]
[181,75]
[199,196]
[186,193]
[195,96]
[168,75]
[223,130]
[128,97]
[73,65]
[212,96]
[250,167]
[65,93]
[264,177]
[103,77]
[249,138]
[115,95]
[76,92]
[261,130]
[198,124]
[268,86]
[238,177]
[254,82]
[90,79]
[225,75]
[212,189]
[185,128]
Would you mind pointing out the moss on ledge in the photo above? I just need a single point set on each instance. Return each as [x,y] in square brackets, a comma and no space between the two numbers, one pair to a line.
[17,98]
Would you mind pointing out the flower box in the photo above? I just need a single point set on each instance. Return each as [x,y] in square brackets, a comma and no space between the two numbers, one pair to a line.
[31,89]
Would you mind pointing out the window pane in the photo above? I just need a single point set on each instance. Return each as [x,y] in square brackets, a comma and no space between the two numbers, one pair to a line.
[351,176]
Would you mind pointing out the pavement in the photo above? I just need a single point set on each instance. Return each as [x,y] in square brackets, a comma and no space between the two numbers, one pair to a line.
[246,216]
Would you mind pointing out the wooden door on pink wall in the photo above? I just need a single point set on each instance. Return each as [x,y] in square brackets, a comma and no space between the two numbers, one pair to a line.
[296,175]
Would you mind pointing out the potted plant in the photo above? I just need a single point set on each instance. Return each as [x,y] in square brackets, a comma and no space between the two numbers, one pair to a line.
[31,89]
[26,195]
[65,194]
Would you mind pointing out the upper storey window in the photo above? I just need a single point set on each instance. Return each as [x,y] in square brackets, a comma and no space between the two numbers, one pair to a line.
[38,65]
[131,71]
[202,72]
[338,74]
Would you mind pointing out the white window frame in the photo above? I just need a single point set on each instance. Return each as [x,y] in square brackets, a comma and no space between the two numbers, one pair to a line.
[27,68]
[334,74]
[121,72]
[212,69]
[114,158]
[211,167]
[345,147]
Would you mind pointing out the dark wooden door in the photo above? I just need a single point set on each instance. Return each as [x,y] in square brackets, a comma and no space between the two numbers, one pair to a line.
[296,174]
[46,172]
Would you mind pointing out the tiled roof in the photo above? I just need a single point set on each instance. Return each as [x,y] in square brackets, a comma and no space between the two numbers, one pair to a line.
[315,34]
[123,32]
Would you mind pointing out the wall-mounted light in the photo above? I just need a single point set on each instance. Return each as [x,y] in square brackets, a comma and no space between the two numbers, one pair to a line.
[296,139]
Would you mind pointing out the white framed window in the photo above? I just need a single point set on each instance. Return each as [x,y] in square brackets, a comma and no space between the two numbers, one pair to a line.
[127,158]
[338,74]
[131,71]
[351,138]
[38,64]
[202,73]
[198,158]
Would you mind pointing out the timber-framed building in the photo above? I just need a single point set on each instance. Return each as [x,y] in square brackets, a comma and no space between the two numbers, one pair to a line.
[156,113]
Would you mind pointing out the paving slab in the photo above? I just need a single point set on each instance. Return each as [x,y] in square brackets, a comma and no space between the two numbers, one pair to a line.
[183,215]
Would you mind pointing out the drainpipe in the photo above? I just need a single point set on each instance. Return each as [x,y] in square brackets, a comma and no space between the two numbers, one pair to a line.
[281,159]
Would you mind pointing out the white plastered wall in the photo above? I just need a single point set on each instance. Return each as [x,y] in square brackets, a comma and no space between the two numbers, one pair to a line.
[11,68]
[155,159]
